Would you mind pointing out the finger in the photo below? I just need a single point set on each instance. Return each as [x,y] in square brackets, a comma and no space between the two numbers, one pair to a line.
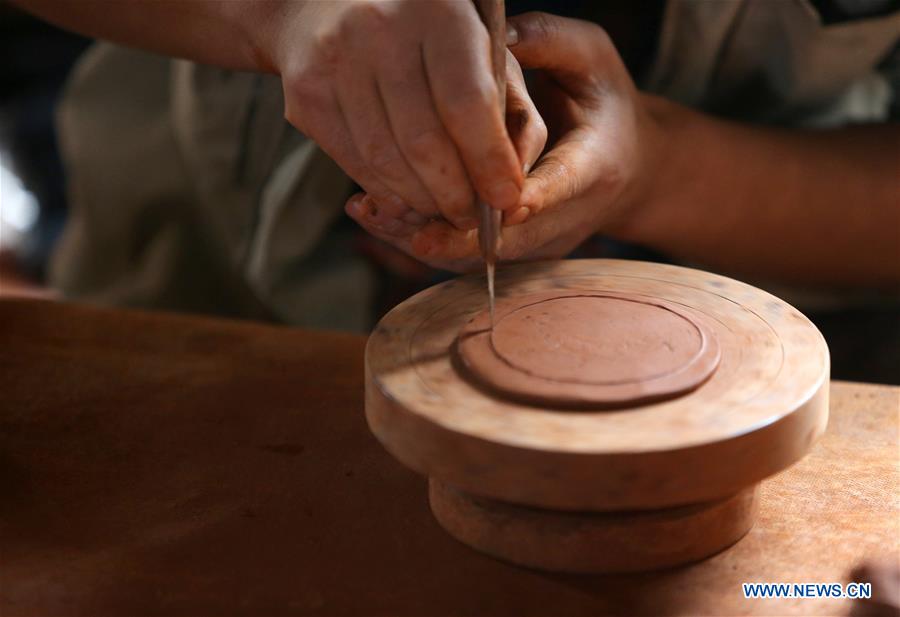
[526,127]
[555,180]
[370,129]
[319,117]
[441,244]
[440,241]
[414,218]
[523,121]
[547,237]
[540,239]
[569,47]
[424,141]
[468,103]
[362,209]
[390,218]
[430,252]
[516,216]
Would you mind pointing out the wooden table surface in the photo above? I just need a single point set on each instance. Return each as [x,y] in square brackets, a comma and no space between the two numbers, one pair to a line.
[161,464]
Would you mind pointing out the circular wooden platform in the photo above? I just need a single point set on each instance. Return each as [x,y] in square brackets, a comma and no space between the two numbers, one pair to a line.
[757,413]
[593,542]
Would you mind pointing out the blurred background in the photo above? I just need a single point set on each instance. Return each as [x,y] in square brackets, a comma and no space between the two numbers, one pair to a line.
[35,60]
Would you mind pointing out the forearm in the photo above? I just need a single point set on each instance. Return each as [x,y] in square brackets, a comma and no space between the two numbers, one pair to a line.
[223,33]
[812,206]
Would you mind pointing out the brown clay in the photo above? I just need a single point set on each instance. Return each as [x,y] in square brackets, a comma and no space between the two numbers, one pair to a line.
[589,349]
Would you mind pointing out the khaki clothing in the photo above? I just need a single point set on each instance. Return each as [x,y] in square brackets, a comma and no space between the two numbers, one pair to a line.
[190,192]
[775,62]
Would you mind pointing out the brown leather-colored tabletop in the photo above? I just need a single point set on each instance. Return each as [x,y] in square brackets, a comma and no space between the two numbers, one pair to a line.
[161,464]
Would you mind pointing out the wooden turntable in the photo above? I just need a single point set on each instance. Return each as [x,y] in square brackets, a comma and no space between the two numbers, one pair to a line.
[619,417]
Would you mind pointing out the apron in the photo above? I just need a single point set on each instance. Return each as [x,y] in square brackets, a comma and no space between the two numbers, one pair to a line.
[188,190]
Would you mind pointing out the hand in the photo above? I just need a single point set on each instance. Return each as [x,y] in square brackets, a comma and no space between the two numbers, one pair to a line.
[592,176]
[602,135]
[401,95]
[529,135]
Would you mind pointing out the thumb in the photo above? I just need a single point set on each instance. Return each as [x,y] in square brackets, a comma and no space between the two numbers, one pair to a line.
[559,44]
[561,174]
[524,124]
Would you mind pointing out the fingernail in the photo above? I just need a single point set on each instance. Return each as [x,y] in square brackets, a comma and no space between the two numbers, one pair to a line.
[512,35]
[354,207]
[503,195]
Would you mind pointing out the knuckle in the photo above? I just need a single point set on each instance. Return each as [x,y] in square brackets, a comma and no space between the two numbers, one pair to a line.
[540,26]
[597,44]
[375,12]
[601,37]
[329,47]
[375,18]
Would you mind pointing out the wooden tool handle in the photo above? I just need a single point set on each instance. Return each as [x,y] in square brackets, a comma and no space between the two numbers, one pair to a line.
[493,14]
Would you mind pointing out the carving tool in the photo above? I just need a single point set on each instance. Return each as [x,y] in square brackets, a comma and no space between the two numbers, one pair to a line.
[493,14]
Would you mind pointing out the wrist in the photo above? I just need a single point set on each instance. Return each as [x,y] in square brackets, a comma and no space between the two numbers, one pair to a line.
[661,171]
[260,24]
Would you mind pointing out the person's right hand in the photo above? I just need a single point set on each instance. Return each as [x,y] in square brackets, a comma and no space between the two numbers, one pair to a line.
[401,95]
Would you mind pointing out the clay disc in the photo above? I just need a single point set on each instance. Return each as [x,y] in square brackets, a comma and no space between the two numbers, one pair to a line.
[588,349]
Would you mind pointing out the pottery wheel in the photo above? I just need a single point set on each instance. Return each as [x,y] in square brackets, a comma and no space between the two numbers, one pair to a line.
[614,399]
[589,349]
